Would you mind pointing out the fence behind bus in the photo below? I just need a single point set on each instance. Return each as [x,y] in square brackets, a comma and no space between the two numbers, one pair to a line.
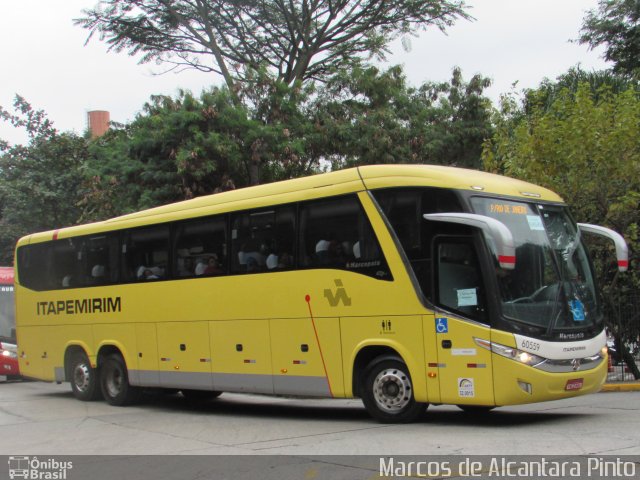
[626,317]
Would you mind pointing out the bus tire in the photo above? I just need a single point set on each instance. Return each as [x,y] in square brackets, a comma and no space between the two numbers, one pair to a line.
[85,381]
[387,392]
[114,382]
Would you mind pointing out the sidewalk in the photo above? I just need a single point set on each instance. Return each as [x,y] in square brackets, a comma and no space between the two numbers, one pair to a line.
[633,386]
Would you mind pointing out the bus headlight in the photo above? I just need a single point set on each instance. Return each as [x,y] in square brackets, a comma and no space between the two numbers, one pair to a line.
[510,352]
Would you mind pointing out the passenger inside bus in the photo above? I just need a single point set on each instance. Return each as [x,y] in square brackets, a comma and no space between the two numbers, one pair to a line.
[149,273]
[213,266]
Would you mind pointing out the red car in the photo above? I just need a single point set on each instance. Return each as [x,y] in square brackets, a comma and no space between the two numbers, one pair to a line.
[9,360]
[8,349]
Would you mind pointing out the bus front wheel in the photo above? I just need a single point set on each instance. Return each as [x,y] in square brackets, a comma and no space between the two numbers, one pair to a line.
[387,392]
[84,379]
[114,382]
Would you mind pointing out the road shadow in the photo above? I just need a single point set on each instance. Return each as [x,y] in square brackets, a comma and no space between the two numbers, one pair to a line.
[327,410]
[312,410]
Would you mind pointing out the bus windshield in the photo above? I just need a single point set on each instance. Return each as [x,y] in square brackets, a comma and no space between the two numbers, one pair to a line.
[552,284]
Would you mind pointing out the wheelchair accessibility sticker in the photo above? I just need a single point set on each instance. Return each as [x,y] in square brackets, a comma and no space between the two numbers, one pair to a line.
[442,326]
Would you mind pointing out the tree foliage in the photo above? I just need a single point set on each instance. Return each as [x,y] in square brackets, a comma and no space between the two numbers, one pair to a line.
[375,117]
[41,183]
[183,147]
[599,81]
[615,24]
[188,146]
[295,40]
[585,146]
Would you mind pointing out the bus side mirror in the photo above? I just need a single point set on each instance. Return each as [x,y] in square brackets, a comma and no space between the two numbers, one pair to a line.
[622,251]
[494,230]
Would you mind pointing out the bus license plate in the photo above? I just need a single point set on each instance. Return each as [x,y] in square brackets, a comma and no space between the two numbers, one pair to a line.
[575,384]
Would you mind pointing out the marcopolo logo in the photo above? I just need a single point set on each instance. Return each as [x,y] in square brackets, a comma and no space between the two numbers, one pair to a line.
[340,296]
[38,469]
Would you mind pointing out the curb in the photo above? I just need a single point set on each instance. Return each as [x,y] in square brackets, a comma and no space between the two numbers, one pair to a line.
[621,387]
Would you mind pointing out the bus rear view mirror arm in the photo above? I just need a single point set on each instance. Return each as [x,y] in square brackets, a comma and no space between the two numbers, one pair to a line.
[622,251]
[494,230]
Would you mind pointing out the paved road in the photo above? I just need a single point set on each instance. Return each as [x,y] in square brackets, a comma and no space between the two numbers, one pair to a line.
[41,418]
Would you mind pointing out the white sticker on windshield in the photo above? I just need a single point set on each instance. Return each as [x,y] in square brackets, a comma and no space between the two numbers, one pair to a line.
[535,222]
[467,297]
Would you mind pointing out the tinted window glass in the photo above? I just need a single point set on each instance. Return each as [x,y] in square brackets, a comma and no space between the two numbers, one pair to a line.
[404,208]
[336,233]
[459,286]
[51,265]
[64,264]
[146,254]
[201,247]
[263,240]
[31,266]
[98,261]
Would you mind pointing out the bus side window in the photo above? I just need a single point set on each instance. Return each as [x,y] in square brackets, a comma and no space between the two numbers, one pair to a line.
[247,243]
[336,233]
[65,266]
[34,271]
[201,247]
[146,254]
[99,263]
[281,245]
[404,208]
[263,240]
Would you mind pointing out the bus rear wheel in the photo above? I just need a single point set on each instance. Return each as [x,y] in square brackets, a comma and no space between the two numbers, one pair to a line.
[114,382]
[84,379]
[387,392]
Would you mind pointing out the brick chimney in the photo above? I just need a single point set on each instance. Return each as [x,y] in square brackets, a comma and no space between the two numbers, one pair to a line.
[98,122]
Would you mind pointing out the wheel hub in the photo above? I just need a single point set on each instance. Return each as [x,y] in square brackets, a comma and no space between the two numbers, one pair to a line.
[82,377]
[114,383]
[392,390]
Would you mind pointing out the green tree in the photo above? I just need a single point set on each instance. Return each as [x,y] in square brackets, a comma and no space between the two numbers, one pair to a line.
[296,40]
[188,146]
[584,146]
[373,116]
[263,47]
[41,182]
[616,26]
[183,147]
[599,81]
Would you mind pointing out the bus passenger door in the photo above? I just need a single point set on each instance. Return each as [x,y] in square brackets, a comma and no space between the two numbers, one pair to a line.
[184,355]
[465,370]
[307,358]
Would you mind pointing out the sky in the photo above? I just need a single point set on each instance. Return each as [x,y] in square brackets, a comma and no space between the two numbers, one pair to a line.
[43,57]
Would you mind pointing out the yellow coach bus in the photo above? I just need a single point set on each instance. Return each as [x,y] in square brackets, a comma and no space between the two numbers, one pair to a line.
[401,285]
